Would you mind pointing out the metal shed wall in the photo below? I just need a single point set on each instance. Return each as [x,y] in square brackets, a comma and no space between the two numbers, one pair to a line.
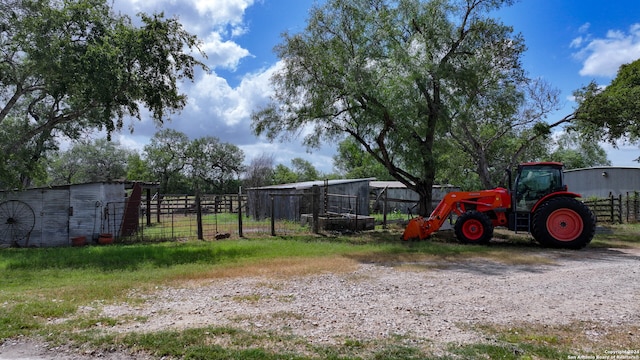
[95,208]
[602,181]
[292,200]
[67,211]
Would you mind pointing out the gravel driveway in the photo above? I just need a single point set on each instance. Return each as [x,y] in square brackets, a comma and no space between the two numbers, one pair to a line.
[436,301]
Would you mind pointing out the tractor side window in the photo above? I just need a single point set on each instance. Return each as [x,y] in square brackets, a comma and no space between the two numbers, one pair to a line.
[535,183]
[556,181]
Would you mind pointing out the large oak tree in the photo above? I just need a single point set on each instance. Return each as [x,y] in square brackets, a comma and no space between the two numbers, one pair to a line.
[74,66]
[391,74]
[612,113]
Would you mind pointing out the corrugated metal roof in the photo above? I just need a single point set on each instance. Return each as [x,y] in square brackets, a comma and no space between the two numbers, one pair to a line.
[399,185]
[604,168]
[309,184]
[144,184]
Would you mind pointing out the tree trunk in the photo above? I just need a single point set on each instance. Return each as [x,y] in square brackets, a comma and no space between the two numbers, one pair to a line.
[483,172]
[424,204]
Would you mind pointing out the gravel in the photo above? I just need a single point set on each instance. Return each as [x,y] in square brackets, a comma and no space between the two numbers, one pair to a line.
[438,303]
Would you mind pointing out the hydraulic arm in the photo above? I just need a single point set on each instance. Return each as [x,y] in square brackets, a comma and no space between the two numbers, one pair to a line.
[497,201]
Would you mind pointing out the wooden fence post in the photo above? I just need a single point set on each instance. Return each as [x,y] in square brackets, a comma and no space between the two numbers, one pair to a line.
[385,205]
[357,209]
[186,205]
[273,216]
[315,208]
[627,213]
[620,208]
[613,219]
[148,204]
[240,211]
[199,215]
[158,207]
[636,208]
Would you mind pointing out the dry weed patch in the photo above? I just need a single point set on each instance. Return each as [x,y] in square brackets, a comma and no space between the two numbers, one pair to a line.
[581,336]
[274,268]
[518,258]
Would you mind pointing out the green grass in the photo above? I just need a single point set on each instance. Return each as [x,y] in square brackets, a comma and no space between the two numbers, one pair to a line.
[618,235]
[41,290]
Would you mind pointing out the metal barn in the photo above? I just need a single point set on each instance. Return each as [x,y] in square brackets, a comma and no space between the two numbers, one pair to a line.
[290,201]
[603,181]
[47,217]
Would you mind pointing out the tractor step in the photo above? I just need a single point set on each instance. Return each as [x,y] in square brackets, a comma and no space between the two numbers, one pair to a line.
[520,221]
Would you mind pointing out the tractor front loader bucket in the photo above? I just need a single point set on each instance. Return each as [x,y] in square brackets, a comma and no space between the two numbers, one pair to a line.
[417,228]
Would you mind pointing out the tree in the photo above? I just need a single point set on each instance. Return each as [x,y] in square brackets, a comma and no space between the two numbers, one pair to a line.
[68,67]
[166,155]
[212,164]
[505,125]
[283,175]
[576,152]
[391,74]
[304,170]
[138,169]
[260,171]
[90,161]
[611,113]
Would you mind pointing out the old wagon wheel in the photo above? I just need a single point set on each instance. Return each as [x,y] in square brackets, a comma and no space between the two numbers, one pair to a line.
[17,219]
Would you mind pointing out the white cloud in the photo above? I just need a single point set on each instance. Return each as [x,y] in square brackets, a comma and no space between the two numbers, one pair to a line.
[577,42]
[223,53]
[215,22]
[223,11]
[603,56]
[217,106]
[212,95]
[584,28]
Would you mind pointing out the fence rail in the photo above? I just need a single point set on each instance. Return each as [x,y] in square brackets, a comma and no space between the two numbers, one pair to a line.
[616,209]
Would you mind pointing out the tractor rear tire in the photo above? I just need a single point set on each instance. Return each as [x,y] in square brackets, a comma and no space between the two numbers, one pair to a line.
[474,227]
[563,222]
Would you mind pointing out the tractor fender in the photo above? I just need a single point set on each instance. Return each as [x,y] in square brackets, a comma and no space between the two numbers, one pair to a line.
[554,195]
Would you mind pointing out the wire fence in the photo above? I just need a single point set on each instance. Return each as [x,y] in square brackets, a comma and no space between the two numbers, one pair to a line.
[184,217]
[181,217]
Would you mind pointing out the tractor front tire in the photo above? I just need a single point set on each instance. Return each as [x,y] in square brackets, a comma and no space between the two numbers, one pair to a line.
[563,222]
[474,227]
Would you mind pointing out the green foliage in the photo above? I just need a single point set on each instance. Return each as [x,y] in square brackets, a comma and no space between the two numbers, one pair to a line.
[577,151]
[184,165]
[212,164]
[100,160]
[75,66]
[353,162]
[138,169]
[283,175]
[304,170]
[166,155]
[611,113]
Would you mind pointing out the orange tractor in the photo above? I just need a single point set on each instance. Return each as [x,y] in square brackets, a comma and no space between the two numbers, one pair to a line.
[539,203]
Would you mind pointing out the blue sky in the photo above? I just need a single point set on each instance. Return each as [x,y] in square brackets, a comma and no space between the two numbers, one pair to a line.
[570,43]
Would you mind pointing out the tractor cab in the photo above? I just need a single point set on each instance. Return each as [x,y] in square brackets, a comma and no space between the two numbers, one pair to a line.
[534,181]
